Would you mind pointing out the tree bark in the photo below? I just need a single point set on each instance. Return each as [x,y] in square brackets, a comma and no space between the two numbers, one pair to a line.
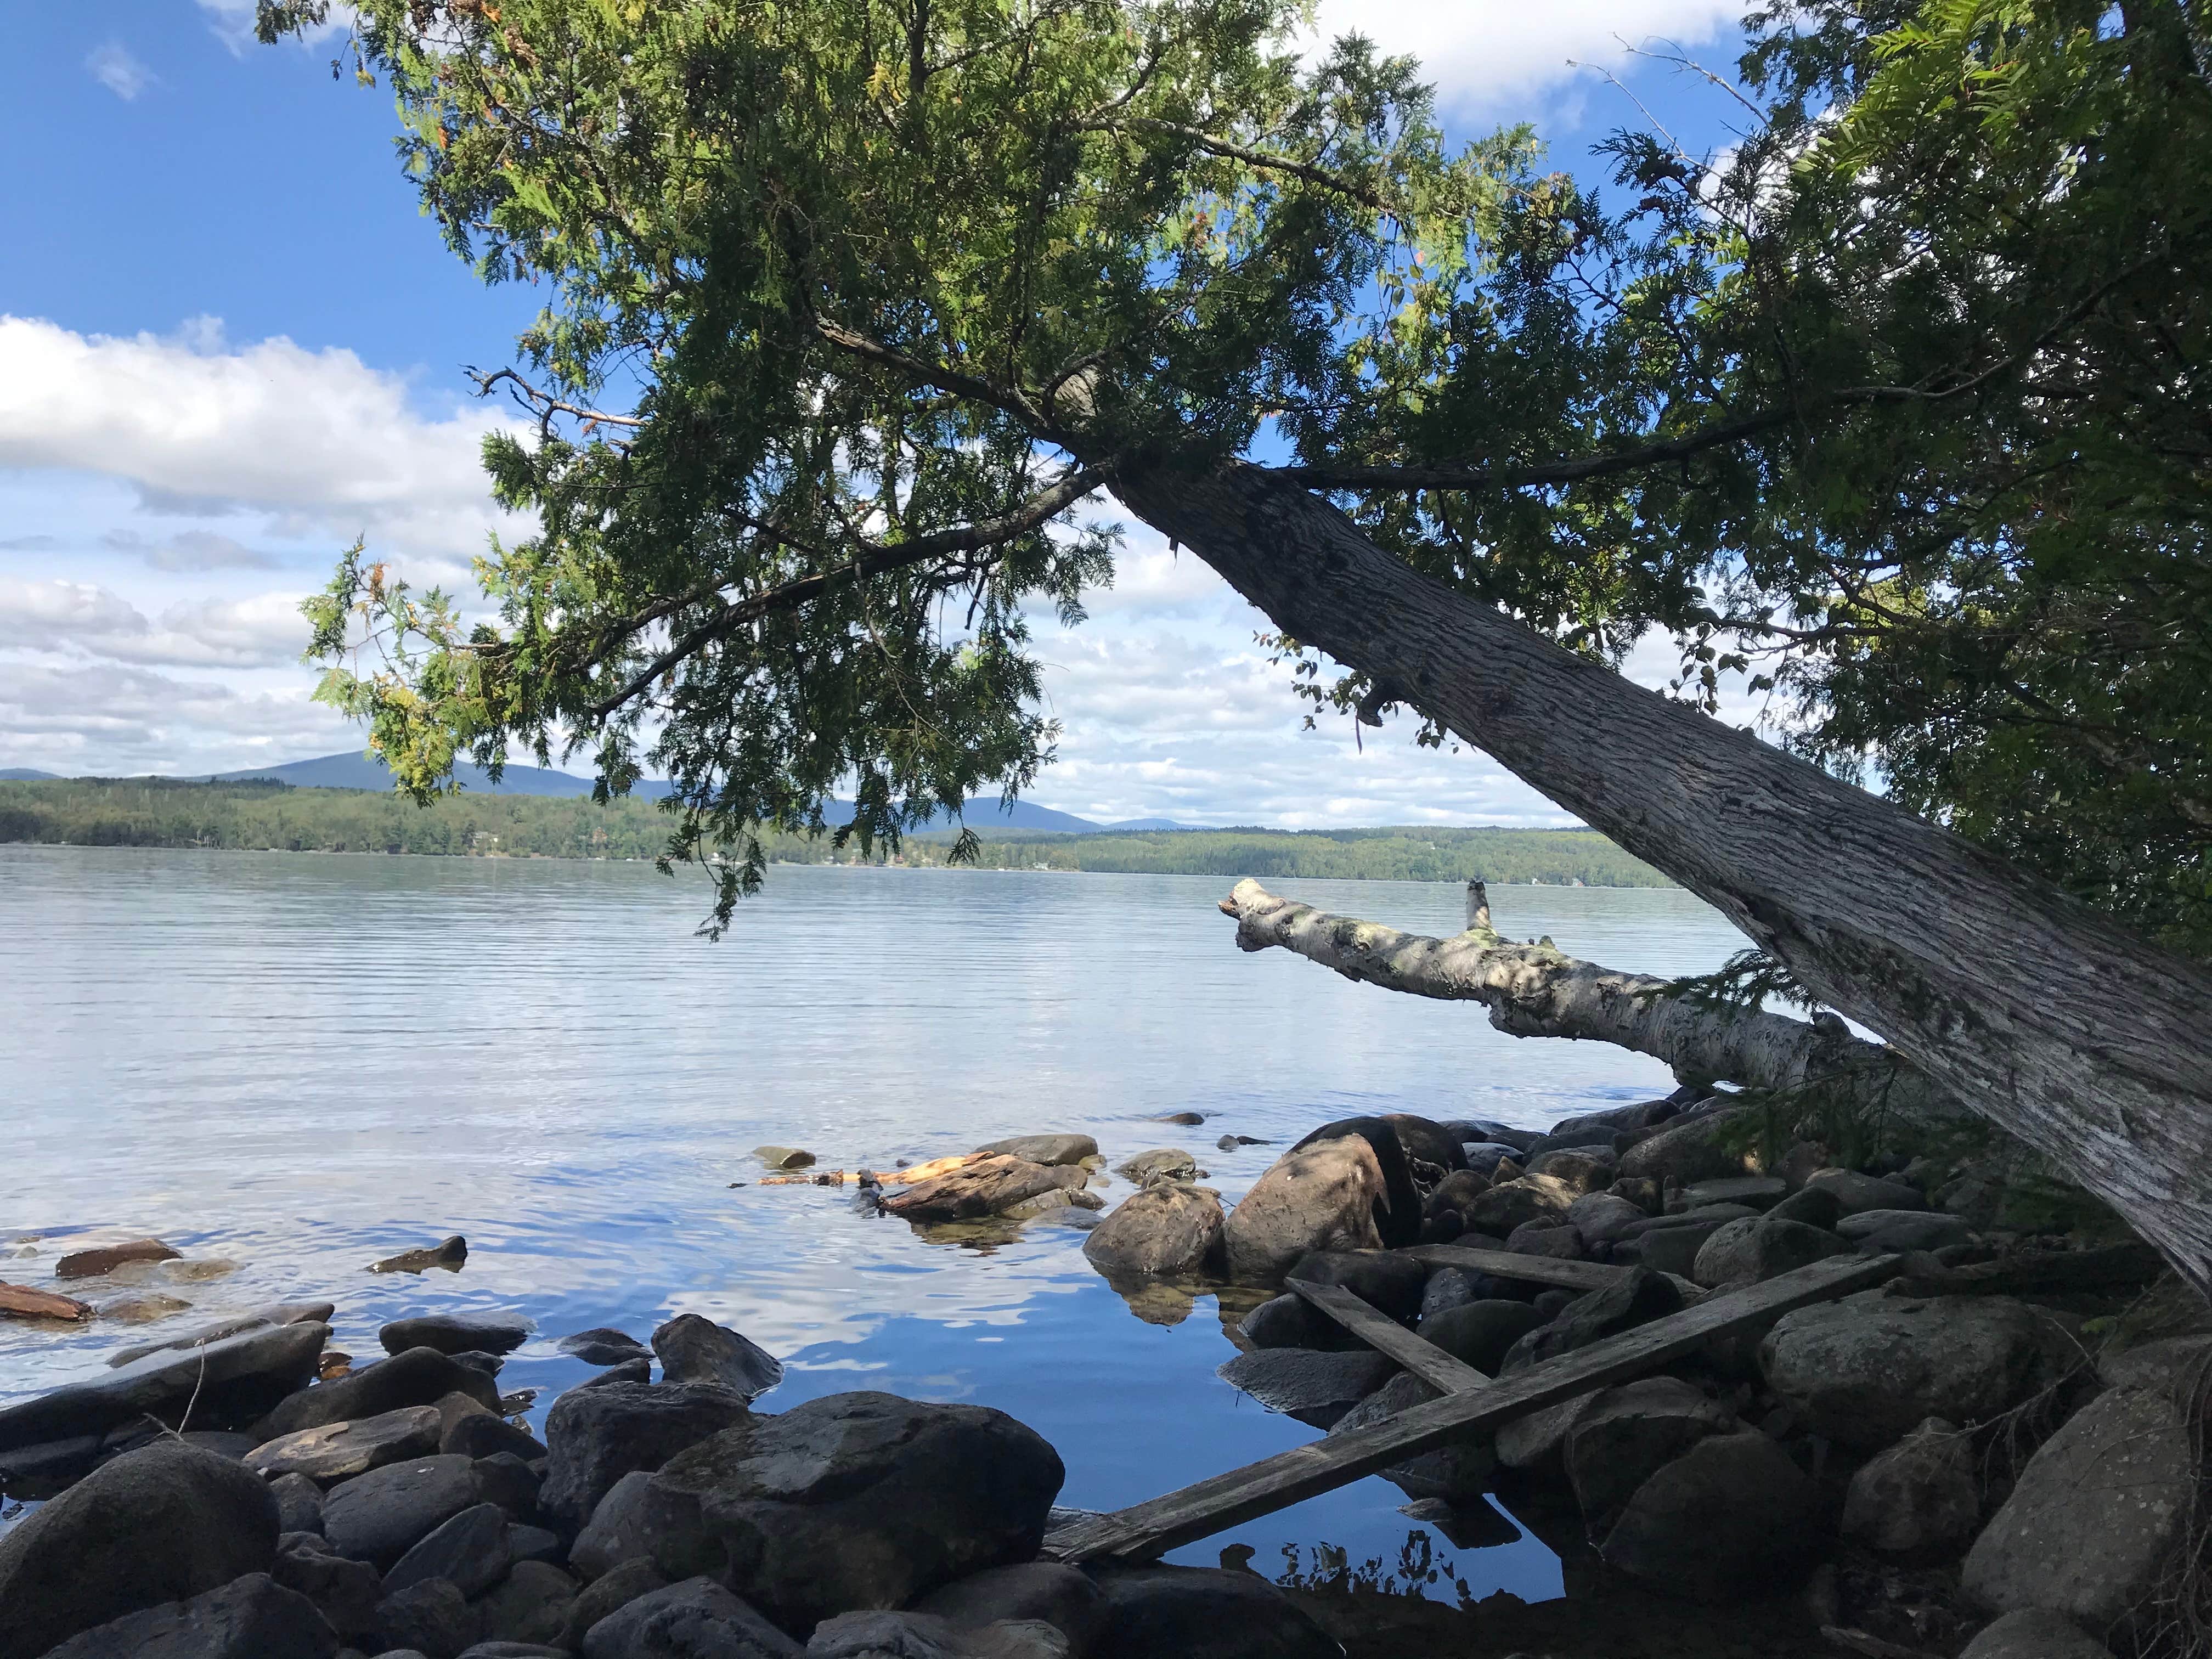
[1537,990]
[2032,1010]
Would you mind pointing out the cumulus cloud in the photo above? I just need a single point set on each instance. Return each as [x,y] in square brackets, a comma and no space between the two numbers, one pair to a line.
[84,618]
[187,550]
[114,68]
[104,719]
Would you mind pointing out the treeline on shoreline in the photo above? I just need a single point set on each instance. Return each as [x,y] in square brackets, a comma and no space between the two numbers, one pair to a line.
[274,816]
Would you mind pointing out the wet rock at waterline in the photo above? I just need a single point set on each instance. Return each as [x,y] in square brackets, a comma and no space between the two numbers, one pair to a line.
[627,1370]
[23,1301]
[785,1158]
[1290,1321]
[1050,1592]
[1166,1229]
[856,1501]
[380,1515]
[451,1254]
[1163,1612]
[1732,1515]
[985,1187]
[282,1313]
[1044,1149]
[456,1333]
[160,1524]
[338,1451]
[1161,1163]
[1232,1143]
[1384,1279]
[106,1258]
[252,1616]
[601,1346]
[597,1435]
[235,1380]
[694,1349]
[1068,1215]
[1323,1198]
[1315,1387]
[420,1377]
[1457,1473]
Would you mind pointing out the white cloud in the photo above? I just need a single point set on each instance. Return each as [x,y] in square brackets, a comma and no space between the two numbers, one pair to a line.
[100,717]
[114,68]
[83,618]
[232,22]
[188,549]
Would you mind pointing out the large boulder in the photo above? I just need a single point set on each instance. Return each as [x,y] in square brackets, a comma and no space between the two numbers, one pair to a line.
[616,1588]
[2035,1633]
[1637,1298]
[1865,1370]
[532,1604]
[469,1550]
[456,1333]
[344,1592]
[252,1617]
[1602,1218]
[1204,1612]
[1049,1150]
[1168,1230]
[420,1377]
[985,1187]
[694,1349]
[1732,1516]
[226,1384]
[857,1501]
[1919,1501]
[595,1436]
[1514,1204]
[1289,1321]
[431,1618]
[628,1524]
[1894,1232]
[1583,1171]
[1481,1333]
[1669,1249]
[1387,1281]
[338,1451]
[1427,1139]
[1760,1247]
[1324,1197]
[1315,1387]
[1857,1193]
[1627,1434]
[380,1515]
[160,1524]
[1051,1592]
[2096,1517]
[1696,1148]
[282,1313]
[1457,1473]
[1398,1220]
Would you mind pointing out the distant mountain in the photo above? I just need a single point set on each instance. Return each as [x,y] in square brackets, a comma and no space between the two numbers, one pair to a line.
[22,773]
[1148,823]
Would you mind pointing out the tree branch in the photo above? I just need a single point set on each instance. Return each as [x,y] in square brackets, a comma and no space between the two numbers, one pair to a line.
[1253,158]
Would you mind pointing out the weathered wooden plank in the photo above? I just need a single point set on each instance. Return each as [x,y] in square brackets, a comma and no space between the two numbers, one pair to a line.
[1386,1335]
[1535,1269]
[1149,1529]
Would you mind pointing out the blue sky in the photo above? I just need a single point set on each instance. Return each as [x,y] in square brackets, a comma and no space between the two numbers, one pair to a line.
[229,343]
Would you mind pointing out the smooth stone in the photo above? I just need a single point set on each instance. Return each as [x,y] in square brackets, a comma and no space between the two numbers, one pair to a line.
[456,1333]
[510,1483]
[629,1370]
[1710,1216]
[1052,1202]
[483,1434]
[528,1608]
[1447,1287]
[1512,1204]
[693,1349]
[1166,1230]
[1858,1193]
[1045,1149]
[1484,1156]
[1602,1218]
[1315,1388]
[1584,1171]
[345,1592]
[785,1158]
[1050,1592]
[1456,1473]
[298,1503]
[451,1254]
[1638,1299]
[883,1635]
[1188,1120]
[696,1619]
[1425,1138]
[619,1585]
[431,1618]
[143,1309]
[420,1377]
[1322,1197]
[1759,1249]
[284,1313]
[1161,1163]
[1384,1279]
[1068,1215]
[469,1551]
[1290,1321]
[1667,1249]
[1731,1515]
[1481,1333]
[1920,1500]
[1553,1239]
[1628,1434]
[164,1523]
[1692,1149]
[2035,1633]
[602,1345]
[858,1500]
[1456,1192]
[1231,1143]
[2095,1516]
[380,1515]
[106,1258]
[49,1469]
[235,1379]
[1816,1206]
[598,1434]
[1161,1612]
[1894,1232]
[252,1616]
[338,1451]
[1754,1192]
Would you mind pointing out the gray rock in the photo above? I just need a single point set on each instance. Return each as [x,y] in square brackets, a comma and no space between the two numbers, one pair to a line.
[856,1501]
[456,1333]
[784,1157]
[1919,1501]
[1458,1473]
[1289,1321]
[1315,1388]
[481,1434]
[2176,1365]
[469,1551]
[1761,1248]
[1514,1204]
[1865,1370]
[528,1543]
[514,1650]
[632,1520]
[617,1587]
[450,1253]
[1709,1215]
[1731,1515]
[924,1636]
[1386,1280]
[1050,1591]
[1693,1149]
[1484,1156]
[1538,1441]
[380,1515]
[1859,1193]
[603,1346]
[250,1617]
[1322,1197]
[1067,1215]
[1602,1218]
[1161,1163]
[236,1379]
[509,1482]
[1816,1206]
[2035,1633]
[1045,1149]
[696,1619]
[1481,1333]
[338,1451]
[2095,1517]
[1628,1434]
[1204,1612]
[160,1524]
[1166,1229]
[344,1592]
[1637,1299]
[298,1503]
[1552,1238]
[282,1313]
[625,1371]
[1667,1250]
[420,1377]
[1448,1287]
[1895,1231]
[50,1468]
[432,1617]
[693,1349]
[531,1604]
[1754,1192]
[1584,1170]
[598,1434]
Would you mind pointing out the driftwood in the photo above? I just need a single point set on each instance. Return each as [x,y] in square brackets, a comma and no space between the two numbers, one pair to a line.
[1150,1529]
[1537,990]
[1584,1276]
[22,1301]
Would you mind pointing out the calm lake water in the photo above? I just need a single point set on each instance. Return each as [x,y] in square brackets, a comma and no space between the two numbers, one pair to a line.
[300,1064]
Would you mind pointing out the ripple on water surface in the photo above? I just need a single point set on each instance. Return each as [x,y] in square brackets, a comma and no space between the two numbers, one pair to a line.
[303,1063]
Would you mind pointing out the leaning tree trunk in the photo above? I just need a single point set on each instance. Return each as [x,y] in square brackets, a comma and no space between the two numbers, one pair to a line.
[2037,1012]
[1537,990]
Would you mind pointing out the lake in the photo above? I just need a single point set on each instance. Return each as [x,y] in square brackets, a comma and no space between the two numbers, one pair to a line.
[301,1063]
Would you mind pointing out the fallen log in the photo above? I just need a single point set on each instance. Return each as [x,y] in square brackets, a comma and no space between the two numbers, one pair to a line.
[1583,1276]
[1537,990]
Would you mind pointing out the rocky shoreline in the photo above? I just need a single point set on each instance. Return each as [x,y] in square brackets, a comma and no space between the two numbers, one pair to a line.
[1998,1453]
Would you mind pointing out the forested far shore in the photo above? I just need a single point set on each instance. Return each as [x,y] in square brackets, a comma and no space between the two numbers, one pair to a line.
[264,817]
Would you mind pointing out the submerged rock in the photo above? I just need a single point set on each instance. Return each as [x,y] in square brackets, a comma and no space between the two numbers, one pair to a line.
[785,1158]
[693,1349]
[1045,1149]
[984,1187]
[1323,1198]
[601,1346]
[1315,1388]
[456,1333]
[1166,1229]
[235,1380]
[106,1258]
[450,1254]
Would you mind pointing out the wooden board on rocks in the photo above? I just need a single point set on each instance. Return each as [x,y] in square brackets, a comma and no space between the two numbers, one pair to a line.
[1534,1269]
[1386,1336]
[1150,1529]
